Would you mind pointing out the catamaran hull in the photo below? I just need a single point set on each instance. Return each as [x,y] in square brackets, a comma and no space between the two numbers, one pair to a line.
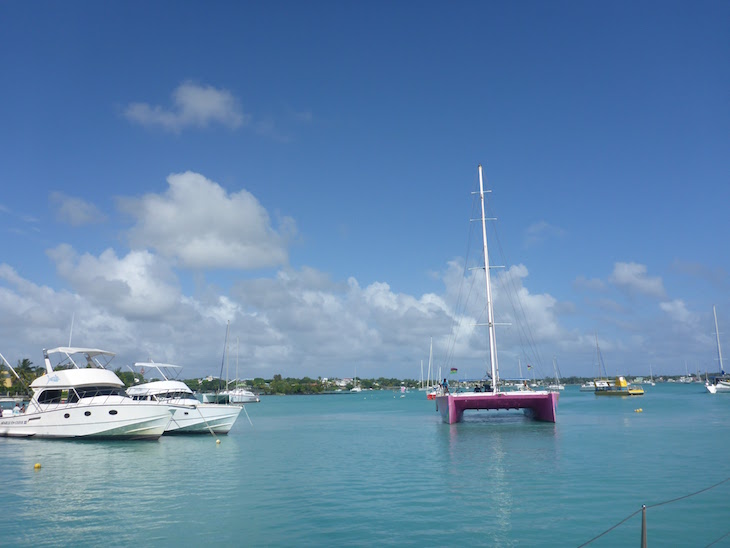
[120,421]
[203,419]
[541,406]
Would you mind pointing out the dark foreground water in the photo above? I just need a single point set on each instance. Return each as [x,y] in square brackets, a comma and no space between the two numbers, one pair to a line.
[377,469]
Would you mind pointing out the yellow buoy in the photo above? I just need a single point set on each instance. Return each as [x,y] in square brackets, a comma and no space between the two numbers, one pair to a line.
[639,410]
[37,466]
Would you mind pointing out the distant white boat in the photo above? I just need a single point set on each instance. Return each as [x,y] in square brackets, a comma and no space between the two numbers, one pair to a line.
[557,385]
[239,394]
[357,387]
[722,382]
[651,378]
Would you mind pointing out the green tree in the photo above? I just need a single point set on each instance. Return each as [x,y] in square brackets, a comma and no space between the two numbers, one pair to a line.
[27,373]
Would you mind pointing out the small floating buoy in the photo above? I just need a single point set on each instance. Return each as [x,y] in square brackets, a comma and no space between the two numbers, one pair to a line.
[218,442]
[639,410]
[37,466]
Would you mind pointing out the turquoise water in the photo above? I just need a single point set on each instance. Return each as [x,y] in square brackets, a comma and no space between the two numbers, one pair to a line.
[374,468]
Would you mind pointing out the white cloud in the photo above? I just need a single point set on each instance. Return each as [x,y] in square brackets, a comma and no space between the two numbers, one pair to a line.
[541,231]
[75,211]
[202,226]
[193,106]
[592,284]
[136,286]
[632,277]
[677,310]
[520,306]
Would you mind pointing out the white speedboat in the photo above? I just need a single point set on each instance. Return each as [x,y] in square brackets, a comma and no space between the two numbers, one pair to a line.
[88,401]
[190,415]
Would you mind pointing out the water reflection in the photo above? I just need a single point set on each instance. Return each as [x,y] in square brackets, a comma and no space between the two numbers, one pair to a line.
[491,460]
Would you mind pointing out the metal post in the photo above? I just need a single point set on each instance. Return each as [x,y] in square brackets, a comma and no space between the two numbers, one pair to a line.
[643,526]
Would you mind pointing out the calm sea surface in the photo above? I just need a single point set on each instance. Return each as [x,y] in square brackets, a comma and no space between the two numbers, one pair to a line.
[374,468]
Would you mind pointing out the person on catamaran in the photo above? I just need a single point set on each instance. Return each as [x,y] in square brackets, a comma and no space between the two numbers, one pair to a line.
[446,386]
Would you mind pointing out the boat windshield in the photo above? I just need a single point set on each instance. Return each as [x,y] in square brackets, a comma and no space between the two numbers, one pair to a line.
[91,391]
[176,395]
[72,395]
[165,396]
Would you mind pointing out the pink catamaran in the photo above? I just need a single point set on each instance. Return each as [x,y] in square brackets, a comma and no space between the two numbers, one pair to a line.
[540,405]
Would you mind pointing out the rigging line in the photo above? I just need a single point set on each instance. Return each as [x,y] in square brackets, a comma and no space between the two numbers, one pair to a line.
[249,418]
[524,330]
[611,528]
[460,307]
[690,495]
[718,540]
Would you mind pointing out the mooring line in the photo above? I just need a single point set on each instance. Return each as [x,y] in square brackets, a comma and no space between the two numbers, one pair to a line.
[660,504]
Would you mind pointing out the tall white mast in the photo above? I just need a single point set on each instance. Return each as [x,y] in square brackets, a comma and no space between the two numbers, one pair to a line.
[717,334]
[430,357]
[490,308]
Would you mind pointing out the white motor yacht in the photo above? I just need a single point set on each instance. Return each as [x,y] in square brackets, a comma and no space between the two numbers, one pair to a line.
[190,415]
[83,401]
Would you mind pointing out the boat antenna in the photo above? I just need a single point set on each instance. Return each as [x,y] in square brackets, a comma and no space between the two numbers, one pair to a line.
[71,331]
[225,349]
[490,307]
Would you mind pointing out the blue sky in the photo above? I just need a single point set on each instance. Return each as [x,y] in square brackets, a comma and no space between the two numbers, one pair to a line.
[304,170]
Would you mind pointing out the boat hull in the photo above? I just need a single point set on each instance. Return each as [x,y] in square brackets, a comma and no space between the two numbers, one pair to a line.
[541,406]
[629,392]
[122,420]
[718,387]
[203,419]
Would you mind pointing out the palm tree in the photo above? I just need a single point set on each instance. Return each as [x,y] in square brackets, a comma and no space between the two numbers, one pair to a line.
[27,374]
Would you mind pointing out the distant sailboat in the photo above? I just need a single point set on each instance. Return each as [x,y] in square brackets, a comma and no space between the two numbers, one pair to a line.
[432,388]
[719,383]
[357,387]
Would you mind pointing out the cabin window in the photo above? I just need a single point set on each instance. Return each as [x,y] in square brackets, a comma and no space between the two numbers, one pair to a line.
[87,413]
[50,396]
[112,411]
